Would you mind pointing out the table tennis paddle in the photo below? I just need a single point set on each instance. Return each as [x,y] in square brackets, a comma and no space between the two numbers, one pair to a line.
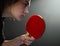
[35,26]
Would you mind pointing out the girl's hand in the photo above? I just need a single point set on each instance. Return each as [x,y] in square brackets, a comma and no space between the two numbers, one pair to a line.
[27,39]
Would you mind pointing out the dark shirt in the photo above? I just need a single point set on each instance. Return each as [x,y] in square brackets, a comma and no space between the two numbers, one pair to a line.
[1,26]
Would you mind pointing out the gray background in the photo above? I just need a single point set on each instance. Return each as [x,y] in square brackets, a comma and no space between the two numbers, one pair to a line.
[50,10]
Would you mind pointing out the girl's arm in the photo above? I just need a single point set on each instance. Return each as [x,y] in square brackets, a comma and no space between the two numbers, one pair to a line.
[19,40]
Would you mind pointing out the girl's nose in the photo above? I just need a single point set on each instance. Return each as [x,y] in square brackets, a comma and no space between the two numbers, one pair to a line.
[26,11]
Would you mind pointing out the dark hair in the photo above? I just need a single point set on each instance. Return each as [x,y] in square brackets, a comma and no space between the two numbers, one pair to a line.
[4,3]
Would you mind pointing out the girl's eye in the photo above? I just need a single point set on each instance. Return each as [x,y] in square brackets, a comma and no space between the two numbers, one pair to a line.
[25,4]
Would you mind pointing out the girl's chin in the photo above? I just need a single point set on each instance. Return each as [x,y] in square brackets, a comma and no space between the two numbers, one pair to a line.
[20,18]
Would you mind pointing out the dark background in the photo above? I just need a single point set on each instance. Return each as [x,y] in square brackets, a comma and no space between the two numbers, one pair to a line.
[50,11]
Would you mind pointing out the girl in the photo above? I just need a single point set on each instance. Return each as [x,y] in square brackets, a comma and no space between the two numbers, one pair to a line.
[16,9]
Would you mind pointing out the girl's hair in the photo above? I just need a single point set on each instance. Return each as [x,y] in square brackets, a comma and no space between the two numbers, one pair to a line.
[4,3]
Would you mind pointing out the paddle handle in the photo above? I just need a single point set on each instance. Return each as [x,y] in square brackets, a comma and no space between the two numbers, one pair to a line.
[24,43]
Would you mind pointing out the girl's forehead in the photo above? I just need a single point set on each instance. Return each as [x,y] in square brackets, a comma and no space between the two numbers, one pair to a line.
[25,1]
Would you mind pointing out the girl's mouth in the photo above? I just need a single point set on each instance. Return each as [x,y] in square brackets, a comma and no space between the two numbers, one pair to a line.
[22,16]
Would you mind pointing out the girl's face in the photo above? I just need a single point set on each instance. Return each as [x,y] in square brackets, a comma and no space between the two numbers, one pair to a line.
[20,9]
